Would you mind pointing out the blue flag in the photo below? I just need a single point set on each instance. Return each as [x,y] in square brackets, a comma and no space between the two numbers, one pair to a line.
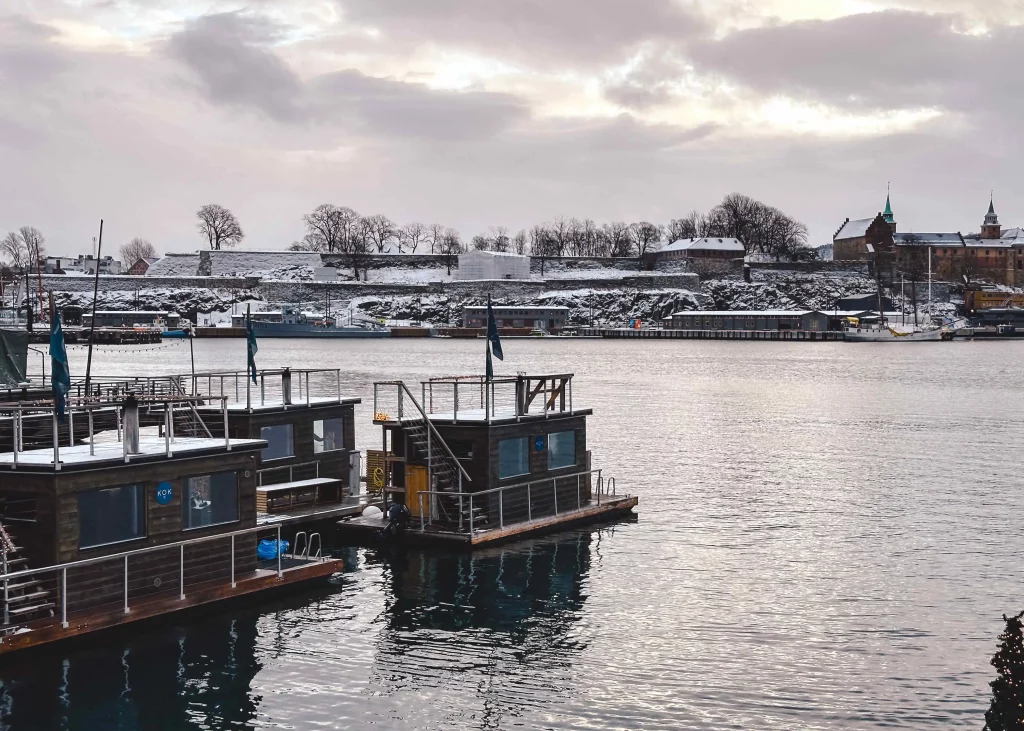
[492,332]
[60,375]
[251,347]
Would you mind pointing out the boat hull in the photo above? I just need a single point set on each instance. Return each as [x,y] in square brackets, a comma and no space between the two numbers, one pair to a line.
[887,336]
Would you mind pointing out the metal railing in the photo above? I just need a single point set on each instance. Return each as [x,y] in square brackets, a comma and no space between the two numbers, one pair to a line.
[146,581]
[288,386]
[291,471]
[498,397]
[523,502]
[164,406]
[434,436]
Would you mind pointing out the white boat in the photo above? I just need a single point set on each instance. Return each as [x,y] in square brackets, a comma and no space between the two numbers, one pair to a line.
[893,334]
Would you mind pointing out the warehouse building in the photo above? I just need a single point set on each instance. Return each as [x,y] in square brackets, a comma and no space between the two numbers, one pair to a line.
[551,319]
[476,265]
[807,320]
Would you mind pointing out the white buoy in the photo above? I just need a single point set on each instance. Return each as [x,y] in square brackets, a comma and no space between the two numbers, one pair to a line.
[372,511]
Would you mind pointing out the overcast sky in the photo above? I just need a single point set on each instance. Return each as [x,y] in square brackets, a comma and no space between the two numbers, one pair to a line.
[475,113]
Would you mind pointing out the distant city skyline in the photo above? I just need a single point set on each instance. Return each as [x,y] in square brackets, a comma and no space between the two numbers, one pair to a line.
[476,114]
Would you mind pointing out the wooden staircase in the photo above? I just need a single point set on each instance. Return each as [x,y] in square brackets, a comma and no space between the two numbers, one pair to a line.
[23,599]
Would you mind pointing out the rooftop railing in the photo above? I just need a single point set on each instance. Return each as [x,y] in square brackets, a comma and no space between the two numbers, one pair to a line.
[285,386]
[475,396]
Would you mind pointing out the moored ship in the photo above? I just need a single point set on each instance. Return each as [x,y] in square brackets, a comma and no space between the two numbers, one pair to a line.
[290,322]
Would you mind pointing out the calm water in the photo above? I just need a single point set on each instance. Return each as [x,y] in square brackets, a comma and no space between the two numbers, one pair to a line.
[828,535]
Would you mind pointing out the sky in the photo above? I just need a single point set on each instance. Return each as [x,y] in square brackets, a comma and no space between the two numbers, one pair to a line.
[479,113]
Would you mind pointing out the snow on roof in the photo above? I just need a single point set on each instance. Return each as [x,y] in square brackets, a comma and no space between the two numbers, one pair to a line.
[745,313]
[928,239]
[476,308]
[990,243]
[705,244]
[853,229]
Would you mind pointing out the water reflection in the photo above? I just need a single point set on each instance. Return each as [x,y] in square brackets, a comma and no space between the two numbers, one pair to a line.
[491,636]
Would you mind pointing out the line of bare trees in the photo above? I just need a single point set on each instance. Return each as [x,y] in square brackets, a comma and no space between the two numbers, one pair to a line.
[762,229]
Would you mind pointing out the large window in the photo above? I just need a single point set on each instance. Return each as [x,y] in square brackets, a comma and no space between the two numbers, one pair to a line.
[280,443]
[513,457]
[561,450]
[328,435]
[209,500]
[111,515]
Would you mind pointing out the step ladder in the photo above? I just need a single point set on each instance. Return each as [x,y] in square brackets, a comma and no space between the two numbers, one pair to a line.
[23,599]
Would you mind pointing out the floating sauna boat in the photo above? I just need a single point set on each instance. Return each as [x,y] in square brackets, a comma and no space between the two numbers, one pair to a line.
[479,461]
[132,508]
[309,474]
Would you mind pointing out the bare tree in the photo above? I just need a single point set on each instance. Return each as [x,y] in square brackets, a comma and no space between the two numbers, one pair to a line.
[325,229]
[619,242]
[435,236]
[481,243]
[644,236]
[136,250]
[450,247]
[679,229]
[499,238]
[520,245]
[382,231]
[411,237]
[219,226]
[13,250]
[34,244]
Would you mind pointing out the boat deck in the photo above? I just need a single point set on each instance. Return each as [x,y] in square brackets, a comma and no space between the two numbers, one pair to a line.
[350,506]
[261,581]
[363,529]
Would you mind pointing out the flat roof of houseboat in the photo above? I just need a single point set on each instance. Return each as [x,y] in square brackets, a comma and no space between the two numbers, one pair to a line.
[150,449]
[479,416]
[278,404]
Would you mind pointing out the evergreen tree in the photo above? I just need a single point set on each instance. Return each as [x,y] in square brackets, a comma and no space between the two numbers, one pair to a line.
[1007,710]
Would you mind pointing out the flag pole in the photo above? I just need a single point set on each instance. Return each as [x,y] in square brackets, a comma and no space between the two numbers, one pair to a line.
[248,333]
[92,325]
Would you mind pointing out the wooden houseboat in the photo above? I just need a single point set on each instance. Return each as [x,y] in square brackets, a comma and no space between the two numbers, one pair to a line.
[310,471]
[478,460]
[135,509]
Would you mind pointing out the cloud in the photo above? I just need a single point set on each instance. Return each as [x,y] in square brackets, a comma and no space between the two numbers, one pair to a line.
[232,58]
[532,32]
[885,60]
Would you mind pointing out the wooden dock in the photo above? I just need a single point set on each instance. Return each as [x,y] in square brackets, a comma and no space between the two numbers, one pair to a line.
[363,530]
[665,334]
[262,581]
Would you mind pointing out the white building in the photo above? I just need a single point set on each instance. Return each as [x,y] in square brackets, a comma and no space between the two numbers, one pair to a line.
[82,264]
[493,265]
[705,248]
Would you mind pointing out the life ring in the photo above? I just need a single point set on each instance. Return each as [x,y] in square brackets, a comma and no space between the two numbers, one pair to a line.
[378,477]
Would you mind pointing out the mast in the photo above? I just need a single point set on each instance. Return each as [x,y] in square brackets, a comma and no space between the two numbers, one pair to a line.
[92,325]
[929,284]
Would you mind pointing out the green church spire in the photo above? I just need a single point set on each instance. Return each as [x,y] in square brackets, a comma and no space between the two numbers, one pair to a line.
[889,218]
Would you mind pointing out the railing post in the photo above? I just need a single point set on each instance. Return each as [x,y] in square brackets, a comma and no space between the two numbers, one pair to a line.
[17,435]
[7,616]
[337,373]
[375,409]
[63,599]
[56,444]
[456,402]
[501,508]
[92,435]
[400,403]
[126,584]
[227,437]
[529,501]
[471,516]
[279,572]
[419,495]
[579,494]
[263,390]
[554,489]
[181,573]
[232,560]
[71,427]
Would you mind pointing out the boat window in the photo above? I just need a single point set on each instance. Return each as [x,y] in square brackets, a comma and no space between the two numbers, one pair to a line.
[111,515]
[279,442]
[561,450]
[328,435]
[209,500]
[513,457]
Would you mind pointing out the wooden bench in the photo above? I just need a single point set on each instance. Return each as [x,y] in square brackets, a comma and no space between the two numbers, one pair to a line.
[287,495]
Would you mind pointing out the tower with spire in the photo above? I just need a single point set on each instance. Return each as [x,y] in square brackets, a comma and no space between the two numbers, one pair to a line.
[991,229]
[887,214]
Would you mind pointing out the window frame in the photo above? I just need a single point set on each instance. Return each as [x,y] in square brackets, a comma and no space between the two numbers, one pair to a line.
[139,486]
[526,441]
[575,459]
[185,499]
[324,421]
[291,435]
